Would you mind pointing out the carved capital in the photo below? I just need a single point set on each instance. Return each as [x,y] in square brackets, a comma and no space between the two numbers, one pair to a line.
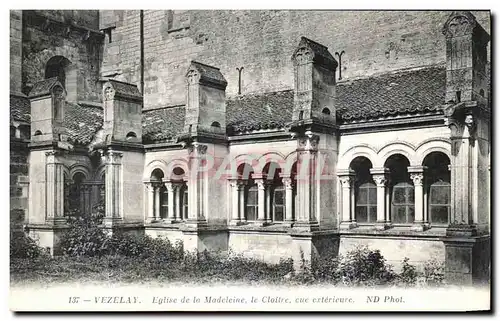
[261,184]
[459,24]
[380,180]
[193,76]
[417,178]
[303,55]
[197,148]
[309,142]
[169,186]
[109,92]
[113,157]
[346,181]
[288,182]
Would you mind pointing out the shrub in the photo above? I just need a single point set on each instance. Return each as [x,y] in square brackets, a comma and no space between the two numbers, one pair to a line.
[365,267]
[434,272]
[408,275]
[84,238]
[22,246]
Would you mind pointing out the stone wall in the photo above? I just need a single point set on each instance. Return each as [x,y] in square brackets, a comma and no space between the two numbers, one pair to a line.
[262,42]
[42,42]
[18,183]
[16,33]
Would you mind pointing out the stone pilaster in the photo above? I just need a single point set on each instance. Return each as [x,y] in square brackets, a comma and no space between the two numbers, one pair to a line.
[54,189]
[381,178]
[289,218]
[348,219]
[150,195]
[197,185]
[113,188]
[307,153]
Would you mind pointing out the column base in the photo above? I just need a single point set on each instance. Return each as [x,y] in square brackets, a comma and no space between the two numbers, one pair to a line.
[348,225]
[237,223]
[382,226]
[306,226]
[420,227]
[111,223]
[196,223]
[59,221]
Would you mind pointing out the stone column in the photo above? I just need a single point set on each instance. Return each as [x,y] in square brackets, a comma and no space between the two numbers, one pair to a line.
[177,211]
[54,189]
[306,182]
[261,199]
[380,177]
[287,181]
[113,187]
[197,185]
[235,204]
[150,192]
[156,212]
[241,196]
[346,178]
[417,176]
[171,210]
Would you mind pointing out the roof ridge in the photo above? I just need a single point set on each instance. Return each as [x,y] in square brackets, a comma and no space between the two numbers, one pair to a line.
[397,72]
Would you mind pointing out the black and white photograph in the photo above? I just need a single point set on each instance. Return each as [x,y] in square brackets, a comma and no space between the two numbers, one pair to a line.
[250,160]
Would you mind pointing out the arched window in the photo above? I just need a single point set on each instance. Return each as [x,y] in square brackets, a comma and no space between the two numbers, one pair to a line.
[38,133]
[131,135]
[365,191]
[325,111]
[215,124]
[75,195]
[438,188]
[402,190]
[57,67]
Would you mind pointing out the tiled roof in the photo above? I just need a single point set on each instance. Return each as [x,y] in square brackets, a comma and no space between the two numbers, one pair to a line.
[82,122]
[43,87]
[125,90]
[403,92]
[209,74]
[262,111]
[162,125]
[20,109]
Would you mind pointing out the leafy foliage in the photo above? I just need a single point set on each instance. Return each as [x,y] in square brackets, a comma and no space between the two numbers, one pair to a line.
[22,246]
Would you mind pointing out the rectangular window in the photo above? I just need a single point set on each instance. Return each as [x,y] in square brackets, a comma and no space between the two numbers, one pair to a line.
[403,207]
[163,203]
[251,203]
[366,203]
[439,203]
[279,204]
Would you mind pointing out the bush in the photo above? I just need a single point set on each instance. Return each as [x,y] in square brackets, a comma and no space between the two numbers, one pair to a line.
[22,246]
[84,238]
[408,275]
[365,267]
[433,272]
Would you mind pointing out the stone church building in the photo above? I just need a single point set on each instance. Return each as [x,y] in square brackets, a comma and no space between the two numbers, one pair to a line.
[269,133]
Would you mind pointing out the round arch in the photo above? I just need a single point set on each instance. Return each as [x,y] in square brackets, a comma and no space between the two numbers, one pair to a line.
[393,148]
[270,157]
[358,151]
[78,168]
[435,145]
[160,164]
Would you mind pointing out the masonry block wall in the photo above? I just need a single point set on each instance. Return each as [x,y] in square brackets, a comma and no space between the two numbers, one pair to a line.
[42,41]
[16,33]
[262,42]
